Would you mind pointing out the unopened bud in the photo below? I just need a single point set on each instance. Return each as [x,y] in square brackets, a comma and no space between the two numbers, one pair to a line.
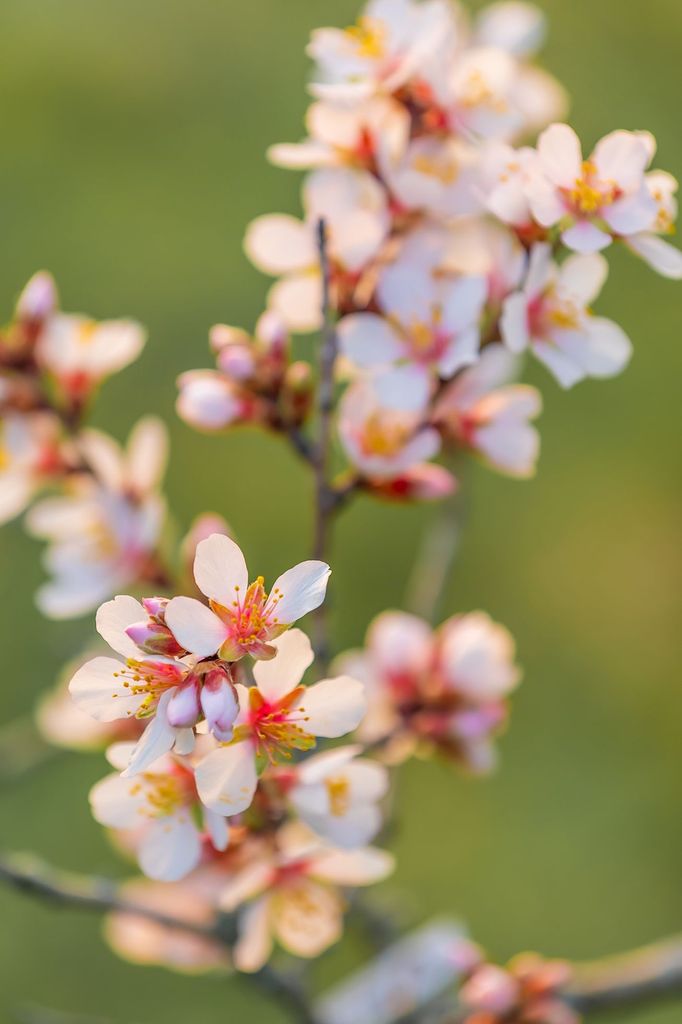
[296,396]
[491,990]
[237,361]
[427,482]
[38,300]
[219,704]
[154,638]
[184,709]
[156,608]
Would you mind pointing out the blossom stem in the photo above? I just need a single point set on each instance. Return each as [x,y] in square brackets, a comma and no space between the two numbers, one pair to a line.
[641,975]
[326,502]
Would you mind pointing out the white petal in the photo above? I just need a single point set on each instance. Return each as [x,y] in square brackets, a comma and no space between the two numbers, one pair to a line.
[254,945]
[97,688]
[316,768]
[356,867]
[157,739]
[560,155]
[297,298]
[514,323]
[662,257]
[238,888]
[585,237]
[195,626]
[334,707]
[308,918]
[399,642]
[563,367]
[356,828]
[632,213]
[220,568]
[300,590]
[610,349]
[171,848]
[622,157]
[226,779]
[112,620]
[278,244]
[583,277]
[16,491]
[280,675]
[368,340]
[218,829]
[118,803]
[147,454]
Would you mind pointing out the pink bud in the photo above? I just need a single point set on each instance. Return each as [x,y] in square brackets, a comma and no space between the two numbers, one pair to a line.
[426,482]
[153,638]
[237,362]
[38,300]
[221,335]
[183,708]
[491,990]
[156,608]
[272,331]
[219,704]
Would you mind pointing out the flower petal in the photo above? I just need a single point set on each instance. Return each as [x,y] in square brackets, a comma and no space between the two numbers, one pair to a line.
[334,707]
[226,779]
[368,340]
[195,626]
[353,867]
[278,244]
[97,688]
[280,675]
[300,590]
[220,568]
[112,620]
[171,848]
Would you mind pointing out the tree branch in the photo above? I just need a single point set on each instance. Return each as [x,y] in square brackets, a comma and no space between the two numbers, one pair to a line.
[642,975]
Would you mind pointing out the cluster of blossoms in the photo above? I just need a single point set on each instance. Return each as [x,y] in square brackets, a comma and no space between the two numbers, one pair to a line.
[453,246]
[436,248]
[104,524]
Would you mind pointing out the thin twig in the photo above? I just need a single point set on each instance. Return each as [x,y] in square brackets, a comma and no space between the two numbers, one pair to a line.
[325,495]
[651,972]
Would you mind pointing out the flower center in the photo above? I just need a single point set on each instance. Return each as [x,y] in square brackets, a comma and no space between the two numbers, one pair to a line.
[443,169]
[384,436]
[338,791]
[142,677]
[165,794]
[252,620]
[275,728]
[589,194]
[369,36]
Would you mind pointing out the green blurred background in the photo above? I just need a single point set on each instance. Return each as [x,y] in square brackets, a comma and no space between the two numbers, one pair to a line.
[132,159]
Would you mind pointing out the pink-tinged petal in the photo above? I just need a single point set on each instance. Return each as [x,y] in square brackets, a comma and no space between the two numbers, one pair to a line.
[560,155]
[170,848]
[147,454]
[368,340]
[114,618]
[406,292]
[353,867]
[662,257]
[157,739]
[254,944]
[219,704]
[195,626]
[463,302]
[279,244]
[400,643]
[297,299]
[118,803]
[586,238]
[333,707]
[281,675]
[218,829]
[540,270]
[609,350]
[623,157]
[300,590]
[97,688]
[546,203]
[510,448]
[514,326]
[356,828]
[220,569]
[631,214]
[330,762]
[404,389]
[582,278]
[477,657]
[246,884]
[185,741]
[226,779]
[302,155]
[462,351]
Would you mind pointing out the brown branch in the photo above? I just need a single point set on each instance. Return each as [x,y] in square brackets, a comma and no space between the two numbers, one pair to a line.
[642,975]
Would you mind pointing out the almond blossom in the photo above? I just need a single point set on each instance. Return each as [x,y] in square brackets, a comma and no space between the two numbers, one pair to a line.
[242,618]
[528,989]
[276,717]
[32,456]
[480,410]
[552,317]
[337,794]
[433,324]
[444,690]
[655,250]
[597,199]
[354,208]
[294,897]
[103,533]
[158,805]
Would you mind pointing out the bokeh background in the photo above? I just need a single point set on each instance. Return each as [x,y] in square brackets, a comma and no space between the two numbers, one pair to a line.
[132,158]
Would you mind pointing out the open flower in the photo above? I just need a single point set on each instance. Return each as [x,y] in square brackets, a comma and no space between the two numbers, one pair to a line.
[242,618]
[354,208]
[597,199]
[158,805]
[104,532]
[552,317]
[654,249]
[337,794]
[277,716]
[444,690]
[294,898]
[481,411]
[32,455]
[391,41]
[382,424]
[432,324]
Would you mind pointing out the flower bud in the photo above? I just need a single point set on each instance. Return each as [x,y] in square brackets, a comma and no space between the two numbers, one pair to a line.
[156,608]
[219,704]
[154,638]
[491,990]
[184,709]
[237,361]
[296,395]
[425,482]
[38,300]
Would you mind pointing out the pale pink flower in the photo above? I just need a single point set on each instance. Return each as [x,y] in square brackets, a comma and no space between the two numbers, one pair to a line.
[38,300]
[32,455]
[242,618]
[337,794]
[437,175]
[277,716]
[382,424]
[391,41]
[368,136]
[505,175]
[594,200]
[354,207]
[519,28]
[659,254]
[294,897]
[79,353]
[432,324]
[158,805]
[103,532]
[482,411]
[208,400]
[552,317]
[445,689]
